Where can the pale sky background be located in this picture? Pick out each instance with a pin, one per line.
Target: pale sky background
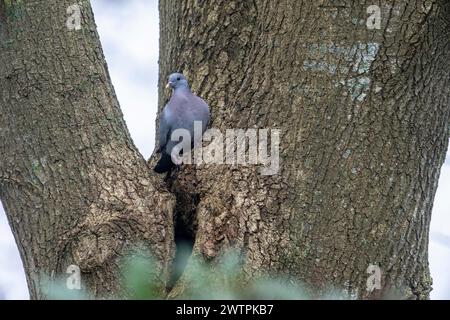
(129, 31)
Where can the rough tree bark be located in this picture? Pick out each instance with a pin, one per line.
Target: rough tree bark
(75, 188)
(364, 120)
(364, 115)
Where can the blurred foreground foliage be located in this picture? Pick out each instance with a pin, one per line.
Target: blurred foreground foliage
(199, 280)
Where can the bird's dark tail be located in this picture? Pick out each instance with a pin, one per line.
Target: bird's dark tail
(164, 164)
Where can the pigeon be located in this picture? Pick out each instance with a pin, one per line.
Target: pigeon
(180, 112)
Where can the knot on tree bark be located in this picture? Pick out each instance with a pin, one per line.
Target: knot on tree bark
(92, 248)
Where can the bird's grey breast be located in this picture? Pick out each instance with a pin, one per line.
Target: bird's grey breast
(184, 108)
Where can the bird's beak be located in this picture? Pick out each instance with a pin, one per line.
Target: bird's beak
(168, 85)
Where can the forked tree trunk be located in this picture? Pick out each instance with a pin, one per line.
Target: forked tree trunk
(364, 120)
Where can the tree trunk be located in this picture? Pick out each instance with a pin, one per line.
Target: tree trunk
(364, 120)
(75, 189)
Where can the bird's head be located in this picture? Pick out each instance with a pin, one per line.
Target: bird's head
(177, 80)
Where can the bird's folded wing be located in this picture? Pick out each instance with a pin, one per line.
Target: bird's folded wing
(164, 131)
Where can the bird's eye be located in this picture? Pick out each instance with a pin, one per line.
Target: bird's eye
(178, 79)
